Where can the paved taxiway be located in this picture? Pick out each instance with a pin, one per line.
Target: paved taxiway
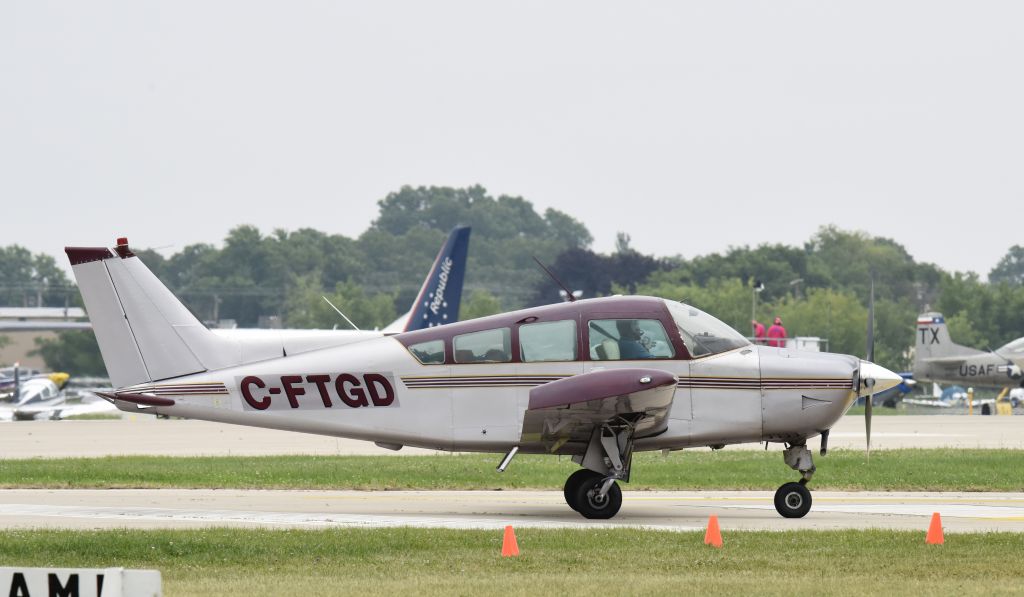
(143, 434)
(669, 510)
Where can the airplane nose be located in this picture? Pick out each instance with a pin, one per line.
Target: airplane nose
(875, 379)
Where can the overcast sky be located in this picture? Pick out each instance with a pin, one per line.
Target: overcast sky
(692, 126)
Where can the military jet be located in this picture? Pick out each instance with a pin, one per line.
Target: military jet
(596, 379)
(937, 358)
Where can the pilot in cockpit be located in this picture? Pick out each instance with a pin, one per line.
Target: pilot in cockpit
(633, 344)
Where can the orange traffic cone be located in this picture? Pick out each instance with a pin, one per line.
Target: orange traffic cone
(509, 546)
(935, 531)
(713, 536)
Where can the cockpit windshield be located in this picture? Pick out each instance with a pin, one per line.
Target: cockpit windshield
(703, 334)
(1015, 347)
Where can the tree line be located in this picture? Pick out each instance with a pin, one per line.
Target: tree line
(818, 289)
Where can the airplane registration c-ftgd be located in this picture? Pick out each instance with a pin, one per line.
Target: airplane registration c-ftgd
(597, 379)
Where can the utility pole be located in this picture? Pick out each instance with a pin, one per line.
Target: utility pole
(216, 308)
(795, 284)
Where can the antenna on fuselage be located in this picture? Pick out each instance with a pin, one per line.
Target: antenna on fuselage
(569, 296)
(328, 301)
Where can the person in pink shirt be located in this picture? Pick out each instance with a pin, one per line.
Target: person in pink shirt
(777, 334)
(758, 331)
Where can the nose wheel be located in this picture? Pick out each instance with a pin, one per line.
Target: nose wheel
(793, 500)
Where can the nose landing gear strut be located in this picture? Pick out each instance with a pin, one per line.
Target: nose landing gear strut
(793, 500)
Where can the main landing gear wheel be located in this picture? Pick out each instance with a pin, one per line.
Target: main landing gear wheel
(793, 500)
(574, 481)
(588, 501)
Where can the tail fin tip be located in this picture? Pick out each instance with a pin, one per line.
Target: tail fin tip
(80, 255)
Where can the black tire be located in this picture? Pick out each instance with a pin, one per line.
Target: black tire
(574, 481)
(590, 507)
(793, 500)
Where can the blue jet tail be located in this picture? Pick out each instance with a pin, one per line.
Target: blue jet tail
(437, 302)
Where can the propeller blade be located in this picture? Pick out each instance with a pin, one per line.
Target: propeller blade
(870, 356)
(867, 423)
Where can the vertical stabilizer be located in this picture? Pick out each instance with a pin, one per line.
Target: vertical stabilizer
(144, 332)
(438, 300)
(933, 339)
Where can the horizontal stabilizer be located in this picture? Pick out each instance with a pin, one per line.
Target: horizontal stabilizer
(140, 399)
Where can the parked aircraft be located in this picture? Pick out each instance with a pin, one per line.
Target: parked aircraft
(937, 358)
(896, 393)
(41, 398)
(597, 379)
(11, 379)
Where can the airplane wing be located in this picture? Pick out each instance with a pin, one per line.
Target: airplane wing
(569, 409)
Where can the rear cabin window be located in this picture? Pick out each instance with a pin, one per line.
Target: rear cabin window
(429, 353)
(488, 346)
(548, 341)
(629, 339)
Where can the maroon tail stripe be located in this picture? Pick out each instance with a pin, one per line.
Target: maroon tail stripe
(138, 399)
(79, 255)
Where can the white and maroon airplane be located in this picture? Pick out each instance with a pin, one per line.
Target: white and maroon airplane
(596, 379)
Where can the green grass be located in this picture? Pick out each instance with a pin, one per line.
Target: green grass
(553, 562)
(894, 470)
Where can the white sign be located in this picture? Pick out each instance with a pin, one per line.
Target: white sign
(79, 582)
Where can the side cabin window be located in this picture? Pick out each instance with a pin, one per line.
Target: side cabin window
(429, 353)
(488, 346)
(629, 339)
(548, 341)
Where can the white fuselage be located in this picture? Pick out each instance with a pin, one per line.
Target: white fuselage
(375, 390)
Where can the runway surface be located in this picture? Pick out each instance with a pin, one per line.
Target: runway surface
(141, 434)
(674, 510)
